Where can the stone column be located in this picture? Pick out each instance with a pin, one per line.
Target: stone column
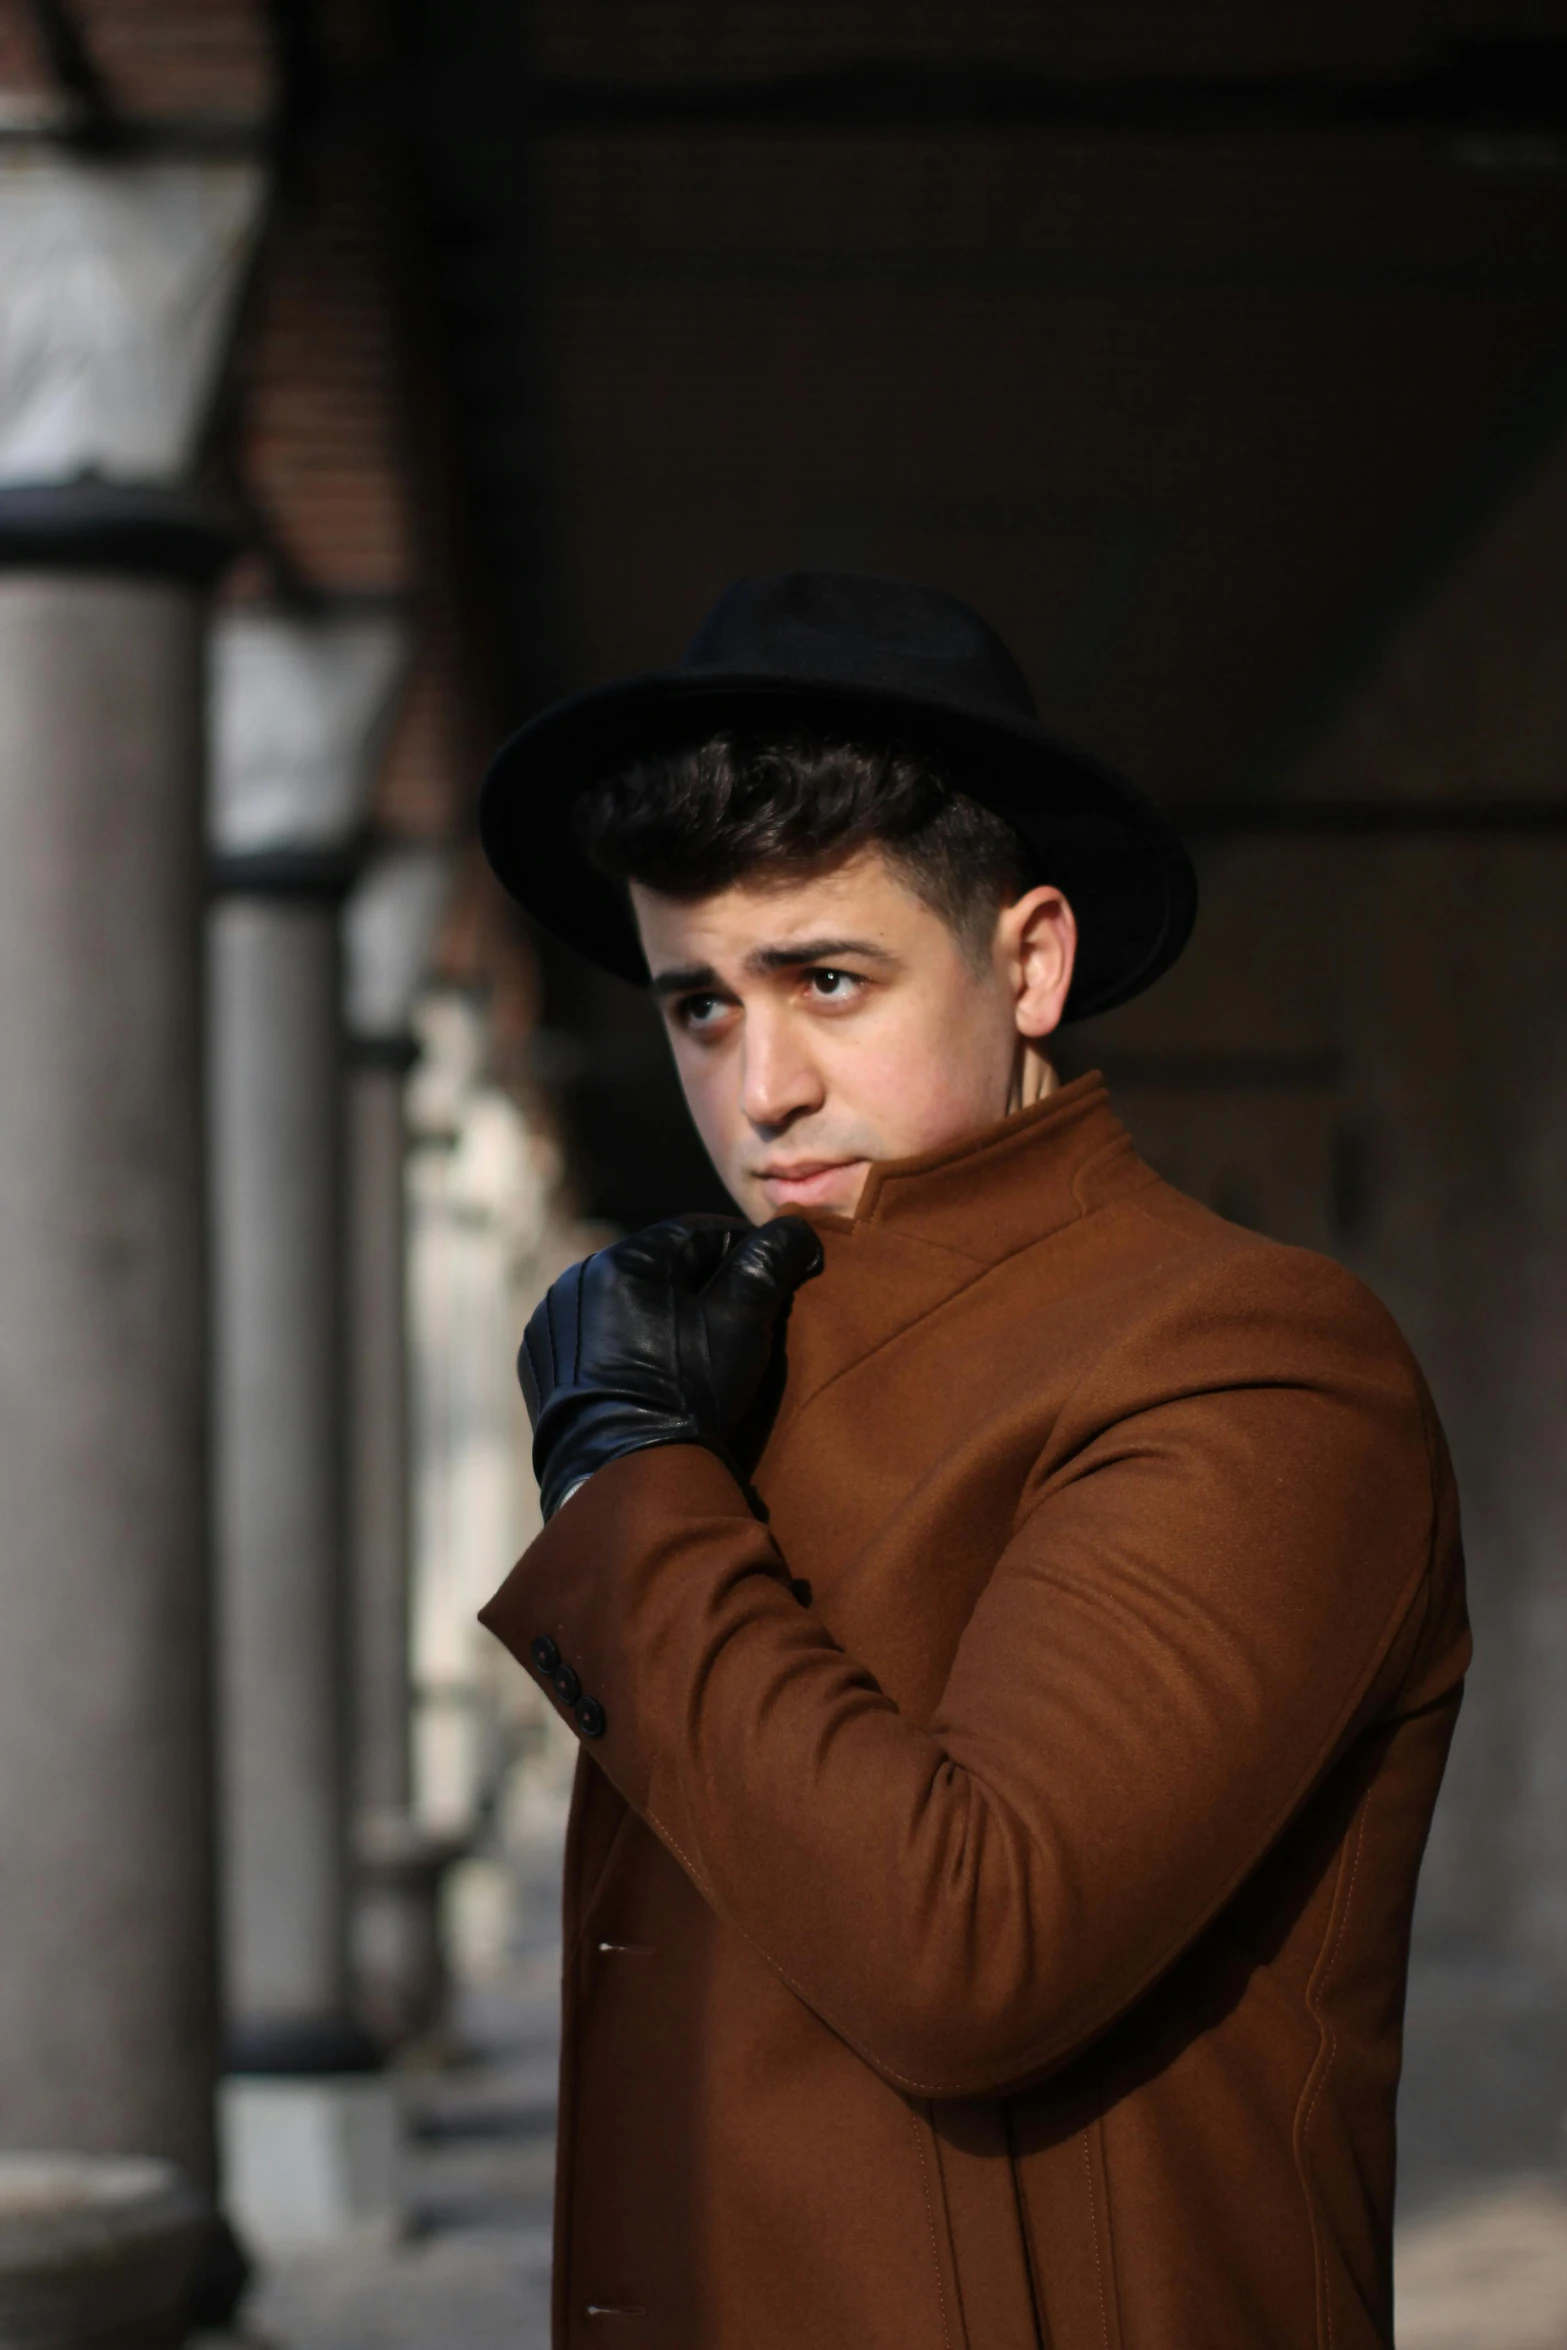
(299, 707)
(277, 1261)
(399, 1967)
(116, 293)
(105, 2000)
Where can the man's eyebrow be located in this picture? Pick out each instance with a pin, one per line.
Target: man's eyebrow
(685, 979)
(795, 954)
(789, 955)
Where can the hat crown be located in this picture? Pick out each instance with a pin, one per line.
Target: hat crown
(855, 629)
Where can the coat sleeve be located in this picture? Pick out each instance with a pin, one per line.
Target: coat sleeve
(1222, 1554)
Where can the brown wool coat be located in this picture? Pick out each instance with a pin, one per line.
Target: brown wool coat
(987, 1902)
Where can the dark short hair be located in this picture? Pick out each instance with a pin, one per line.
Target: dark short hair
(696, 821)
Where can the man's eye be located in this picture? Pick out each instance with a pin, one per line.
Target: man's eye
(833, 986)
(700, 1011)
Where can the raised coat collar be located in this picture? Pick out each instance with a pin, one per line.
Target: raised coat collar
(1015, 1182)
(927, 1227)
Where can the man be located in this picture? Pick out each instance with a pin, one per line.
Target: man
(1014, 1619)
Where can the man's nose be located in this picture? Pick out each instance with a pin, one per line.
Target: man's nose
(779, 1080)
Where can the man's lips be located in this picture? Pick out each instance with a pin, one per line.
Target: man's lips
(811, 1179)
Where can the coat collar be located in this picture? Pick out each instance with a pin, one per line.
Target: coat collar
(1015, 1182)
(926, 1227)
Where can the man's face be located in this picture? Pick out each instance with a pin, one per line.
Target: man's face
(822, 1023)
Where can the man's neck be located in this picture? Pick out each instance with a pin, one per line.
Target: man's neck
(1033, 1077)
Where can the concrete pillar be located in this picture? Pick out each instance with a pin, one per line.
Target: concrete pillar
(116, 287)
(105, 1997)
(277, 1257)
(399, 1965)
(390, 930)
(380, 1425)
(298, 710)
(100, 2251)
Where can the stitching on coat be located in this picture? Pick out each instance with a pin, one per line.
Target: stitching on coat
(703, 1884)
(1327, 2049)
(922, 1240)
(1119, 1146)
(1093, 2230)
(1025, 2231)
(930, 2222)
(589, 1901)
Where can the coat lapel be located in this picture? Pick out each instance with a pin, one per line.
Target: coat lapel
(929, 1226)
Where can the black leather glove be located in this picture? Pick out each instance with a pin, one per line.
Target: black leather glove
(665, 1338)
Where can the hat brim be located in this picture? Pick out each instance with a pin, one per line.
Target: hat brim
(1122, 867)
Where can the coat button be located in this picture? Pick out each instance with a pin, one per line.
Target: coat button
(568, 1685)
(545, 1654)
(590, 1718)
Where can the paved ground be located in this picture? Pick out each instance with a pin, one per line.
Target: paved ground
(1482, 2244)
(473, 2270)
(473, 2273)
(1483, 2207)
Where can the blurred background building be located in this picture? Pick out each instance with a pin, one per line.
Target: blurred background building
(373, 371)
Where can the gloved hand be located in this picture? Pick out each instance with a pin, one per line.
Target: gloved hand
(664, 1338)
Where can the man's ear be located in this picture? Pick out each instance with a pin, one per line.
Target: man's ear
(1036, 944)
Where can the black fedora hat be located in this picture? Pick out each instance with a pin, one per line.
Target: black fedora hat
(860, 659)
